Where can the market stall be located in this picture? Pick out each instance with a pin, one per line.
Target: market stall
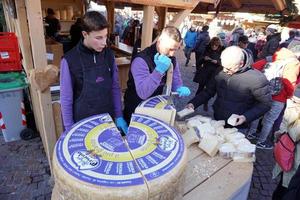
(203, 173)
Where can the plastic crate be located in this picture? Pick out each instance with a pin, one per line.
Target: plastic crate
(10, 59)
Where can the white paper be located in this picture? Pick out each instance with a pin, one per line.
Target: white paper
(50, 56)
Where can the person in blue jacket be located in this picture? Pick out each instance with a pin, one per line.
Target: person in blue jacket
(190, 42)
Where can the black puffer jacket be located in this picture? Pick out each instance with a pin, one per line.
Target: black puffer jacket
(244, 93)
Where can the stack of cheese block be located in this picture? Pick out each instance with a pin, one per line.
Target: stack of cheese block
(213, 138)
(93, 161)
(158, 108)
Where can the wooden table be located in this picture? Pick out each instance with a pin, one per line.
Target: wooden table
(122, 48)
(123, 64)
(215, 178)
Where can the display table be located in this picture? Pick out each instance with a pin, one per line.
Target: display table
(215, 178)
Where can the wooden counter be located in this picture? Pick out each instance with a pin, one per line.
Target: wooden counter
(123, 64)
(122, 48)
(215, 178)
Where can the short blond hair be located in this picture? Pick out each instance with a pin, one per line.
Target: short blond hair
(171, 32)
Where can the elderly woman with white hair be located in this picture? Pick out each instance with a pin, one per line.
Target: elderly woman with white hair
(240, 90)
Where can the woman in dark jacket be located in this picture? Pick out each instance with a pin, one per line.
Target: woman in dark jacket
(211, 63)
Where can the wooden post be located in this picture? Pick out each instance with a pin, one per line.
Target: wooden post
(147, 26)
(23, 35)
(8, 19)
(183, 14)
(162, 14)
(110, 8)
(36, 32)
(279, 4)
(24, 41)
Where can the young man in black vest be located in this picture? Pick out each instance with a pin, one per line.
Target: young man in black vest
(147, 75)
(89, 82)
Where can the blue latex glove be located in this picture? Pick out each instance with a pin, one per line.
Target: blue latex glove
(162, 63)
(121, 124)
(183, 91)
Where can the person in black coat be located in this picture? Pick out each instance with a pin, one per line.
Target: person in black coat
(240, 90)
(210, 63)
(53, 25)
(75, 32)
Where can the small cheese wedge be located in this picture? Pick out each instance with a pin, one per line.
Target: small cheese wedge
(210, 144)
(165, 115)
(217, 124)
(232, 120)
(234, 136)
(193, 122)
(230, 130)
(185, 112)
(220, 130)
(191, 136)
(242, 141)
(207, 128)
(227, 150)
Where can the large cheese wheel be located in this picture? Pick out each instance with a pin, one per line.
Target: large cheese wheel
(160, 153)
(93, 161)
(159, 108)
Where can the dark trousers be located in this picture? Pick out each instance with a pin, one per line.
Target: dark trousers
(187, 53)
(198, 58)
(279, 192)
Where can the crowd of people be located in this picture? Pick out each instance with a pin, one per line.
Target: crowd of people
(254, 84)
(242, 83)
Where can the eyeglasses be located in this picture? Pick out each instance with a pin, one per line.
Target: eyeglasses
(228, 70)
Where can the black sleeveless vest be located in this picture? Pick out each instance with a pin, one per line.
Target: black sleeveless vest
(131, 98)
(91, 75)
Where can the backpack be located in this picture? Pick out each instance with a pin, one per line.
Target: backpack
(273, 72)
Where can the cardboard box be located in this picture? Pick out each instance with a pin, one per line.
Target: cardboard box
(54, 52)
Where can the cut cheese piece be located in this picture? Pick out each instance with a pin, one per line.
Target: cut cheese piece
(203, 119)
(167, 116)
(234, 136)
(206, 128)
(242, 141)
(220, 130)
(246, 150)
(185, 112)
(193, 122)
(210, 144)
(191, 136)
(158, 108)
(230, 130)
(217, 124)
(181, 126)
(233, 119)
(227, 150)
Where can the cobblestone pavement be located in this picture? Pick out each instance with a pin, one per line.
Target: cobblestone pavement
(24, 169)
